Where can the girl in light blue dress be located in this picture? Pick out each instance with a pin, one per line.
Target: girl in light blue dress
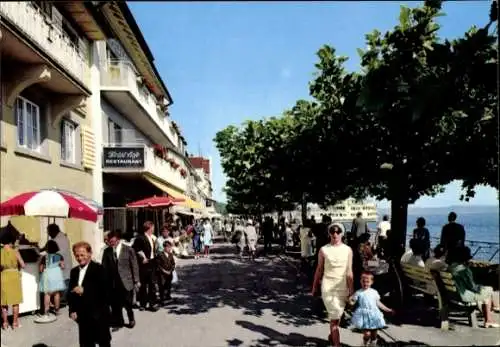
(51, 277)
(367, 315)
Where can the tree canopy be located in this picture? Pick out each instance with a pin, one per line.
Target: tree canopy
(423, 107)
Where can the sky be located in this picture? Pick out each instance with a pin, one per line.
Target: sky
(226, 62)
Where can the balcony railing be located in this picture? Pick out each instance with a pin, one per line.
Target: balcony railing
(122, 75)
(120, 157)
(54, 41)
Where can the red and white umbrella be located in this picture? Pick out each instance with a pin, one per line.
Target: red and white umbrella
(49, 203)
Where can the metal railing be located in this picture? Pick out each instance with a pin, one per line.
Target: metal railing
(39, 28)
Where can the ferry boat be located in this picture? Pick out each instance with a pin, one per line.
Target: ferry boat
(344, 211)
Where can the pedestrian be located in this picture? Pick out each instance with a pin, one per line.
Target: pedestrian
(10, 280)
(64, 249)
(367, 316)
(452, 234)
(51, 279)
(88, 299)
(422, 233)
(122, 274)
(197, 236)
(382, 228)
(166, 268)
(358, 227)
(334, 272)
(103, 248)
(251, 236)
(144, 246)
(208, 234)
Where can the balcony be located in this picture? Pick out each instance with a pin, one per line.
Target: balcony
(46, 34)
(121, 86)
(138, 159)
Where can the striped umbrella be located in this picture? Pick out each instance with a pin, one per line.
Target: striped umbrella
(49, 203)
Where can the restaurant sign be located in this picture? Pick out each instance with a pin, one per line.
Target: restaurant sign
(123, 157)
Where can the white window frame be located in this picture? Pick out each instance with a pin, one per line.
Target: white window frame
(37, 143)
(68, 137)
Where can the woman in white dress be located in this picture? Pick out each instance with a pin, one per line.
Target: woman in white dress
(334, 271)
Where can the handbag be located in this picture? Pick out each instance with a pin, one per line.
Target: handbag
(175, 278)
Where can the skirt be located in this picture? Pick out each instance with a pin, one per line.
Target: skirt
(485, 294)
(334, 297)
(51, 280)
(366, 319)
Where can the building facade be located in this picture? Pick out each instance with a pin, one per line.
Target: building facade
(46, 131)
(83, 108)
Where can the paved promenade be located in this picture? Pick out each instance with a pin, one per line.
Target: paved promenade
(222, 301)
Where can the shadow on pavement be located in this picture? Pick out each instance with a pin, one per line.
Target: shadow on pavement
(251, 286)
(275, 338)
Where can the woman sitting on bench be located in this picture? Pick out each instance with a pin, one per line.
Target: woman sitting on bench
(469, 291)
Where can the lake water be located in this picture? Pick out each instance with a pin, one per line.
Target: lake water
(480, 226)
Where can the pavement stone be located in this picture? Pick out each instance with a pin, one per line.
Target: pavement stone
(222, 301)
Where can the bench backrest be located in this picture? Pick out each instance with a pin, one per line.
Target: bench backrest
(446, 286)
(419, 278)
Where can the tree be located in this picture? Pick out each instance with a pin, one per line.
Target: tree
(432, 100)
(256, 183)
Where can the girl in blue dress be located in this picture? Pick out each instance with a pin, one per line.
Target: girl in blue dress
(367, 315)
(51, 277)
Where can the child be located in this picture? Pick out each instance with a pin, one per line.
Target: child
(367, 315)
(166, 267)
(51, 278)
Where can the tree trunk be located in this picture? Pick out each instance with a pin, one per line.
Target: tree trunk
(399, 214)
(303, 205)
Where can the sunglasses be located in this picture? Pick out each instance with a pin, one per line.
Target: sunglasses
(335, 231)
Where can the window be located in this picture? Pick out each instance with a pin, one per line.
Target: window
(28, 124)
(68, 142)
(114, 133)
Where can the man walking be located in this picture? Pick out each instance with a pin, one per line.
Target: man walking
(122, 272)
(358, 228)
(144, 246)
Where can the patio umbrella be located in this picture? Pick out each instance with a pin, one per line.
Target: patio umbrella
(155, 201)
(49, 203)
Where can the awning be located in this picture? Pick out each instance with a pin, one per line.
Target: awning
(189, 203)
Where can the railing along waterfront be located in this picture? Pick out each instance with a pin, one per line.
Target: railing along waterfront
(53, 40)
(480, 250)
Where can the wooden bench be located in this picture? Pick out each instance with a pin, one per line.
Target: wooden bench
(450, 297)
(419, 279)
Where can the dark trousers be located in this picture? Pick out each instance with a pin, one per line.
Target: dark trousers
(121, 298)
(268, 243)
(165, 286)
(92, 332)
(147, 291)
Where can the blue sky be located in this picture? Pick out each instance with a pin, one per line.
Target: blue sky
(225, 62)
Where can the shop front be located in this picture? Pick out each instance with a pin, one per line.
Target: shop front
(135, 173)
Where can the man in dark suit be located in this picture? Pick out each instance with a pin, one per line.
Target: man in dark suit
(144, 246)
(89, 299)
(122, 272)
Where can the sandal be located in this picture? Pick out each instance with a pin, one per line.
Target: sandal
(16, 325)
(491, 325)
(5, 326)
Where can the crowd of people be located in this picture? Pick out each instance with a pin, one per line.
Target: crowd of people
(137, 271)
(341, 258)
(141, 270)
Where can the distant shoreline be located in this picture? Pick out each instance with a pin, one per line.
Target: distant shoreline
(445, 210)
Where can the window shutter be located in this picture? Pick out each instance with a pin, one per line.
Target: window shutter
(88, 148)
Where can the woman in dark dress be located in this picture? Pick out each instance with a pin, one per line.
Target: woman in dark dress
(422, 233)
